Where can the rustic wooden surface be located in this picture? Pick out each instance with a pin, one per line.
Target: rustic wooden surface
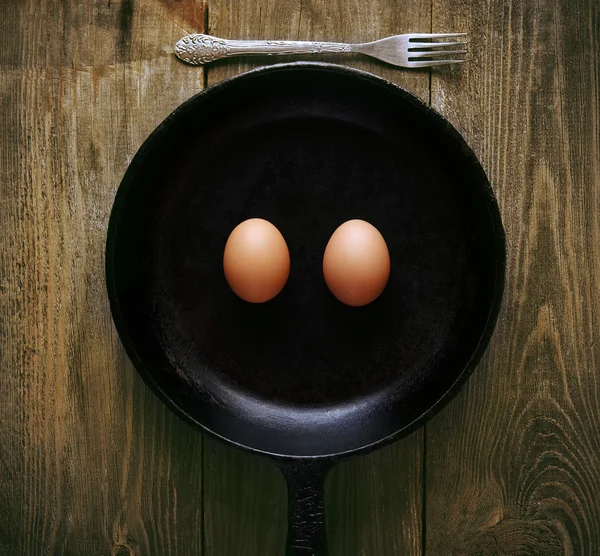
(92, 464)
(512, 464)
(90, 461)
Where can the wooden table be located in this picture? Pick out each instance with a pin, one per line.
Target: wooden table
(91, 463)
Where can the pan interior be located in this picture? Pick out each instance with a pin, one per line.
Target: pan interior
(307, 148)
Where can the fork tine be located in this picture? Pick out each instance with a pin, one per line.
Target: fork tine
(430, 63)
(434, 53)
(419, 45)
(413, 36)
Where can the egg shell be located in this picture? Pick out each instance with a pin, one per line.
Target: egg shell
(256, 260)
(356, 263)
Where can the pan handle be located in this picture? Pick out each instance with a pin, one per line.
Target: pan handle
(306, 513)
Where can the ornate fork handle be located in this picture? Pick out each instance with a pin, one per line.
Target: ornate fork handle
(200, 49)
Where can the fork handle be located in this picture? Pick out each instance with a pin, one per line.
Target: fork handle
(197, 49)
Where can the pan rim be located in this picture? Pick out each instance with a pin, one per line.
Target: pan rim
(495, 221)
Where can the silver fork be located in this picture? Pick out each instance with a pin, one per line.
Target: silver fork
(412, 50)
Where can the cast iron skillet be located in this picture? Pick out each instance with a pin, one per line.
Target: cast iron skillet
(304, 379)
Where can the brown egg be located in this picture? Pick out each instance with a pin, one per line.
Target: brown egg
(356, 263)
(256, 260)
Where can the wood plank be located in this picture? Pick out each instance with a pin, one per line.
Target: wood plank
(244, 503)
(90, 461)
(512, 463)
(373, 503)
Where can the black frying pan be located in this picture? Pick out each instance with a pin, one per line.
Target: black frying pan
(304, 379)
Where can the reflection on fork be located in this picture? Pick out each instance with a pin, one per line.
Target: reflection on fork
(411, 50)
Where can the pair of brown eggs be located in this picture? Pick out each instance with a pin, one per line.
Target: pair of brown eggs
(356, 262)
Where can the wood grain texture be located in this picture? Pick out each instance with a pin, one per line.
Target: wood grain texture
(373, 504)
(90, 461)
(245, 510)
(512, 464)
